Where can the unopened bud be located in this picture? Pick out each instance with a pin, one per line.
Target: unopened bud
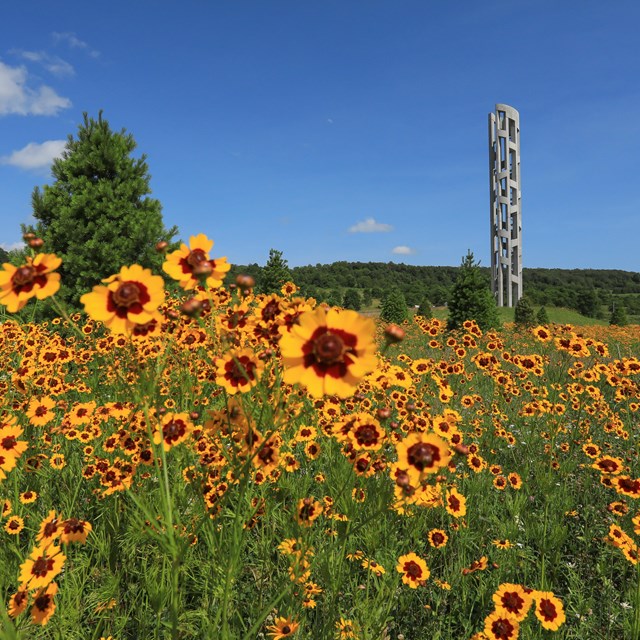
(35, 243)
(172, 314)
(461, 449)
(383, 413)
(162, 246)
(394, 334)
(203, 270)
(28, 236)
(192, 307)
(194, 415)
(245, 282)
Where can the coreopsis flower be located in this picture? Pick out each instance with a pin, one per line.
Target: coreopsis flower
(455, 503)
(190, 265)
(283, 628)
(239, 371)
(41, 567)
(329, 352)
(74, 530)
(18, 603)
(173, 429)
(421, 453)
(50, 529)
(549, 610)
(43, 604)
(414, 570)
(499, 626)
(513, 600)
(14, 525)
(35, 278)
(437, 538)
(40, 411)
(130, 298)
(308, 510)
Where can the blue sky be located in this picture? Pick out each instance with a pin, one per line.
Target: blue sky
(341, 129)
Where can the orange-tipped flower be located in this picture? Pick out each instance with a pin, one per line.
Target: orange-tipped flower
(329, 352)
(33, 279)
(191, 264)
(130, 298)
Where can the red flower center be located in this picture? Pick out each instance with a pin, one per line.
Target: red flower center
(422, 455)
(502, 629)
(42, 566)
(127, 294)
(196, 258)
(413, 570)
(328, 348)
(24, 275)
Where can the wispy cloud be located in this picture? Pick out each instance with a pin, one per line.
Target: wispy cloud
(34, 156)
(370, 226)
(403, 250)
(53, 64)
(18, 98)
(70, 39)
(11, 247)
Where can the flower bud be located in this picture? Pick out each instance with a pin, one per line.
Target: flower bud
(245, 282)
(394, 334)
(192, 307)
(35, 243)
(162, 246)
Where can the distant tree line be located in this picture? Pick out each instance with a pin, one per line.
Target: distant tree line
(592, 292)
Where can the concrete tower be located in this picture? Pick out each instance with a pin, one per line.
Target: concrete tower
(506, 221)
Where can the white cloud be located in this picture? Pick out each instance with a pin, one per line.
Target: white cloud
(403, 250)
(11, 247)
(35, 156)
(16, 97)
(71, 40)
(53, 64)
(370, 226)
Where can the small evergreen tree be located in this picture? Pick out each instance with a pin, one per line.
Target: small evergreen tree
(424, 310)
(96, 216)
(471, 298)
(619, 316)
(275, 273)
(542, 317)
(394, 307)
(524, 314)
(352, 300)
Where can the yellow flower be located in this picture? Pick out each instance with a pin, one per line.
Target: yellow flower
(189, 265)
(329, 352)
(33, 279)
(130, 298)
(239, 371)
(414, 570)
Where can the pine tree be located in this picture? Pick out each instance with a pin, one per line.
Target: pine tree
(352, 300)
(275, 273)
(424, 310)
(619, 316)
(394, 307)
(471, 298)
(542, 317)
(524, 314)
(96, 215)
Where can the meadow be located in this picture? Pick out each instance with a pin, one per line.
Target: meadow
(233, 465)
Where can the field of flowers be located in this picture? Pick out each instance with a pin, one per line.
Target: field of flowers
(231, 465)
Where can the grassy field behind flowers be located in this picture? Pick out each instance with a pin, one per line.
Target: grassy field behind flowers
(235, 465)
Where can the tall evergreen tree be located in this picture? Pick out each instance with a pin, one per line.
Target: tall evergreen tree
(275, 273)
(97, 215)
(542, 317)
(471, 298)
(524, 315)
(619, 316)
(394, 307)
